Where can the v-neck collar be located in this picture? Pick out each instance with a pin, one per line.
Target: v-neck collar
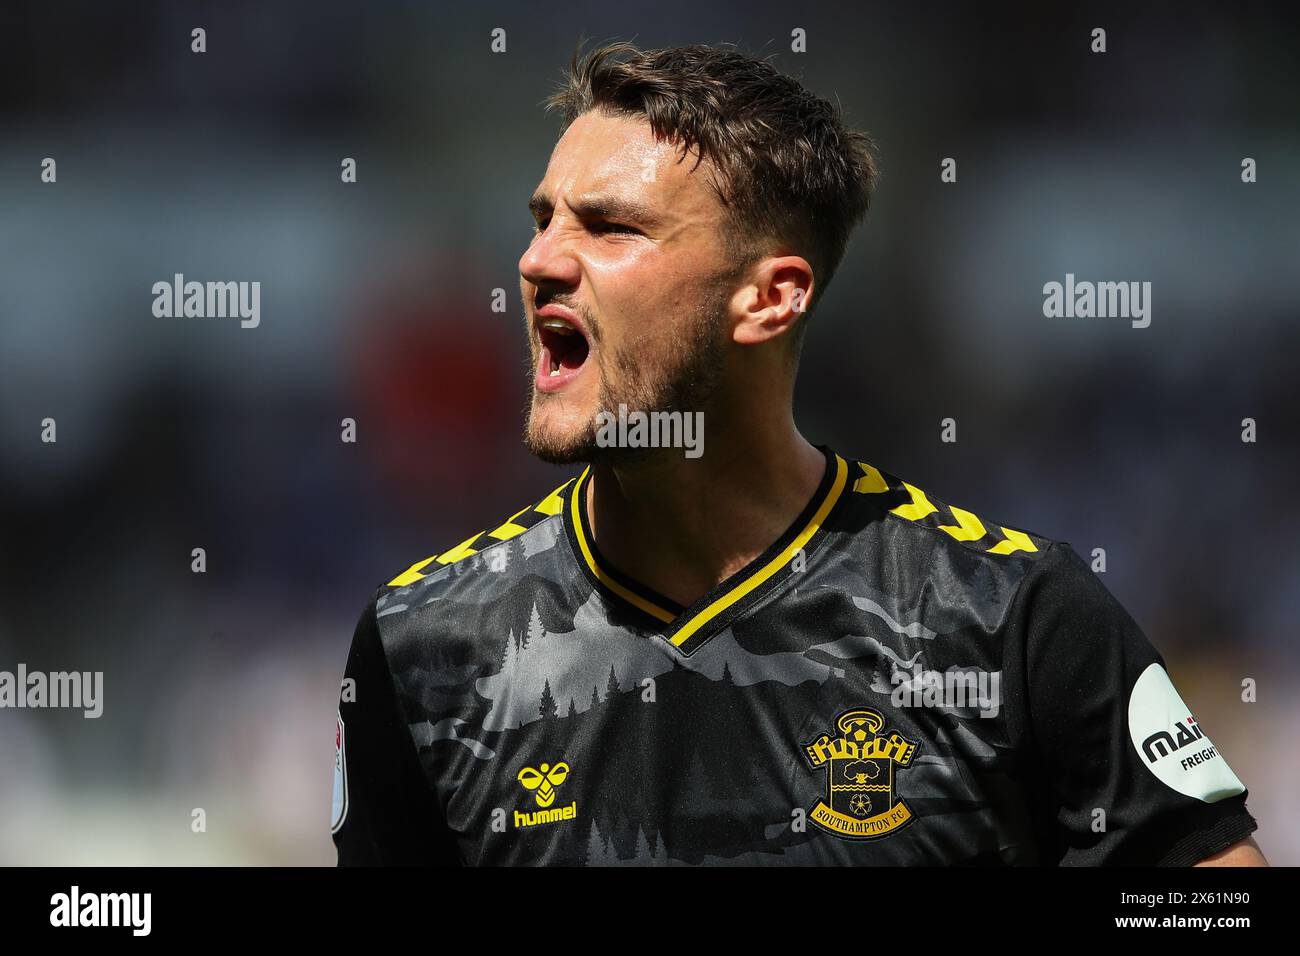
(688, 628)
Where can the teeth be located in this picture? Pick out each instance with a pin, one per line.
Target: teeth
(558, 325)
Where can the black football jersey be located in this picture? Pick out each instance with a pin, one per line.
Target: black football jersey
(895, 681)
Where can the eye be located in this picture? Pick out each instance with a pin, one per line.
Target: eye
(615, 227)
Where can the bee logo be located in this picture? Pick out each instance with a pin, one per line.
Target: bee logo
(544, 780)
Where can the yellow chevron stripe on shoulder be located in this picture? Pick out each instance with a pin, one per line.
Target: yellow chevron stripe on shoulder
(516, 524)
(553, 503)
(410, 574)
(968, 527)
(872, 481)
(965, 526)
(919, 508)
(1016, 541)
(509, 529)
(462, 550)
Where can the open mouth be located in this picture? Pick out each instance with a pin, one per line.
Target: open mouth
(564, 351)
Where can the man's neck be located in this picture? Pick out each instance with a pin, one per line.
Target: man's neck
(681, 525)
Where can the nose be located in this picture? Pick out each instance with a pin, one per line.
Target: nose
(548, 260)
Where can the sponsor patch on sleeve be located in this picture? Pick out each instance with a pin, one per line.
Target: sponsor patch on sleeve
(1171, 744)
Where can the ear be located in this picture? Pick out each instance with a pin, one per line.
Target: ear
(772, 300)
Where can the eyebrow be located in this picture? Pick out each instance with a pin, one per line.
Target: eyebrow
(598, 207)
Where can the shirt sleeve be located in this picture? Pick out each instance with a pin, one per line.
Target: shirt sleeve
(1119, 771)
(384, 810)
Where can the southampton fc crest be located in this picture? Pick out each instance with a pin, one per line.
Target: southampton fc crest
(859, 763)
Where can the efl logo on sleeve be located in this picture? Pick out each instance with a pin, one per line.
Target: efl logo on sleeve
(340, 779)
(1171, 743)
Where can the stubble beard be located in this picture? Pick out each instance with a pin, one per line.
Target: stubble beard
(683, 377)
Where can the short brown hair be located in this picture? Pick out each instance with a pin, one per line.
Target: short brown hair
(790, 171)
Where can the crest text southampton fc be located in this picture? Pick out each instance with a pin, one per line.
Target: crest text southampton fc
(859, 764)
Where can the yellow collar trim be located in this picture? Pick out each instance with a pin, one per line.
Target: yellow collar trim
(654, 610)
(773, 566)
(737, 592)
